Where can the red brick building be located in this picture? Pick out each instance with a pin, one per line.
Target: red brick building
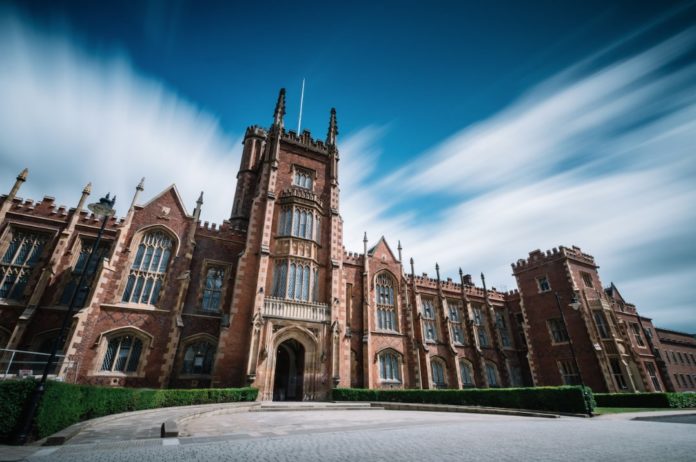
(272, 299)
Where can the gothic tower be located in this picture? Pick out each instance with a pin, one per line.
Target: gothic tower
(287, 194)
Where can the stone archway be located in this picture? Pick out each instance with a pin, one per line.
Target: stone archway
(289, 371)
(292, 352)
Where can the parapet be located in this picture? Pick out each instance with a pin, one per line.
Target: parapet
(537, 257)
(353, 258)
(255, 131)
(305, 140)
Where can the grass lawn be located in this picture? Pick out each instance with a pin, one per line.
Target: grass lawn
(617, 410)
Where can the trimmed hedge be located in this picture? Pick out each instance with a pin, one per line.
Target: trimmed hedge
(666, 400)
(557, 399)
(64, 404)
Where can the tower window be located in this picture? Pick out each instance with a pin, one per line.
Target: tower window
(303, 178)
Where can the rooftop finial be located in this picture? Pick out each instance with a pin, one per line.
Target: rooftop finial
(141, 185)
(23, 175)
(199, 202)
(461, 273)
(88, 189)
(279, 112)
(483, 281)
(365, 237)
(437, 271)
(333, 129)
(399, 249)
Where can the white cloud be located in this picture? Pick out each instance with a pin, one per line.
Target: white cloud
(73, 118)
(604, 161)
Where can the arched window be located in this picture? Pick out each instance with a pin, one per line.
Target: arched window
(298, 282)
(455, 319)
(386, 309)
(198, 358)
(71, 286)
(148, 269)
(437, 368)
(122, 354)
(467, 373)
(492, 375)
(18, 261)
(389, 370)
(303, 178)
(428, 316)
(212, 293)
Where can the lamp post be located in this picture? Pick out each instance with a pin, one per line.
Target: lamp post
(104, 208)
(574, 304)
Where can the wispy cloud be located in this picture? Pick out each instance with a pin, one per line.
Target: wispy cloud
(603, 159)
(600, 155)
(72, 116)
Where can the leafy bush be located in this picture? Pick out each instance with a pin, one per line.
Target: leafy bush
(558, 399)
(666, 400)
(64, 404)
(13, 395)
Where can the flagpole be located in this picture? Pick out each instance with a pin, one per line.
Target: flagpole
(299, 121)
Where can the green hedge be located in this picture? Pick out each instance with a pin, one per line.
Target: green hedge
(557, 399)
(666, 400)
(65, 404)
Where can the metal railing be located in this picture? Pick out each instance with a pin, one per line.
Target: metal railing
(20, 363)
(290, 309)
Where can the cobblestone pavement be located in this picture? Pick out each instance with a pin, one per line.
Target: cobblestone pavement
(378, 435)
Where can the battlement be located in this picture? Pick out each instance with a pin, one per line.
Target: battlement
(454, 289)
(47, 209)
(255, 131)
(226, 229)
(352, 258)
(305, 141)
(537, 257)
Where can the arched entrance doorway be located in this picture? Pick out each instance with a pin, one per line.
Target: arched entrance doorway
(289, 371)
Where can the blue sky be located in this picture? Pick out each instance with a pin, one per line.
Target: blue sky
(474, 132)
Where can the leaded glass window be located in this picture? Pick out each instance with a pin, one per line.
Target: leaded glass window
(455, 320)
(501, 325)
(386, 309)
(198, 358)
(212, 292)
(467, 373)
(389, 370)
(437, 368)
(149, 268)
(85, 250)
(298, 283)
(18, 262)
(122, 354)
(492, 375)
(303, 178)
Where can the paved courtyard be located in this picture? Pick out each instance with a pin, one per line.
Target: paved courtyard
(380, 435)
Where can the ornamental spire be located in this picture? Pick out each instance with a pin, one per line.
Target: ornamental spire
(333, 129)
(279, 112)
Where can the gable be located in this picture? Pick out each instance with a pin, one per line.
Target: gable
(382, 249)
(168, 203)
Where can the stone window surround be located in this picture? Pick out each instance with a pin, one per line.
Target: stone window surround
(400, 365)
(185, 343)
(132, 251)
(207, 264)
(14, 226)
(74, 252)
(102, 342)
(394, 308)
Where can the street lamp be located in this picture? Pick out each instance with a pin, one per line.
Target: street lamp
(103, 208)
(575, 305)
